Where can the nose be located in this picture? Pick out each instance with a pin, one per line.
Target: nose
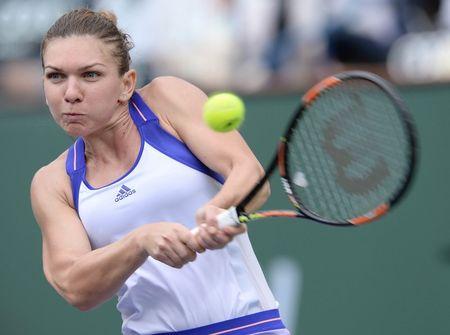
(73, 93)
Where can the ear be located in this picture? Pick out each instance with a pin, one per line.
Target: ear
(128, 86)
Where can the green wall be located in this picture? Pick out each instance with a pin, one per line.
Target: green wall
(390, 277)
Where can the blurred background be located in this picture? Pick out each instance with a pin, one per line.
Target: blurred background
(392, 277)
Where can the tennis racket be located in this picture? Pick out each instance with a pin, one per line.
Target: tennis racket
(347, 155)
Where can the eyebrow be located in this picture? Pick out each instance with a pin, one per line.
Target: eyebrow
(83, 68)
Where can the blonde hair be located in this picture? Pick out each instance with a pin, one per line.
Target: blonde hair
(102, 24)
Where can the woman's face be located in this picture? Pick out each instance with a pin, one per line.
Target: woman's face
(82, 85)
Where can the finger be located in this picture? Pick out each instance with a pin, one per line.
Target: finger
(235, 229)
(169, 248)
(163, 258)
(194, 244)
(219, 236)
(213, 238)
(183, 252)
(163, 253)
(200, 216)
(211, 218)
(205, 239)
(189, 238)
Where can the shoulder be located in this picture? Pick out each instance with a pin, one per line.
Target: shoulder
(172, 92)
(52, 180)
(168, 87)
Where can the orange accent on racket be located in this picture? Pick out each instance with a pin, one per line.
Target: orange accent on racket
(280, 213)
(316, 89)
(282, 159)
(372, 215)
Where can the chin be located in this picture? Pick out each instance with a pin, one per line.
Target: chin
(75, 130)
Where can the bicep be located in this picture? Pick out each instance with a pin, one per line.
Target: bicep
(63, 236)
(219, 151)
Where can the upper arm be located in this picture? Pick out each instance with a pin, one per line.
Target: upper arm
(63, 236)
(181, 106)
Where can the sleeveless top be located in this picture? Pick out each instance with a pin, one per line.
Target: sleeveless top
(167, 183)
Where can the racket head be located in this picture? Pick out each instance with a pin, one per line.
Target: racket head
(349, 153)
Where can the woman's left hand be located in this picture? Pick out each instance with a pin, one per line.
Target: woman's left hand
(209, 235)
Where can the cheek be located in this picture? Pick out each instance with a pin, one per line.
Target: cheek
(51, 91)
(105, 96)
(102, 107)
(51, 99)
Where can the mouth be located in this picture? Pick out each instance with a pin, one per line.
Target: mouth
(72, 114)
(72, 118)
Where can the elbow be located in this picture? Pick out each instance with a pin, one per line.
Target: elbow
(76, 295)
(80, 301)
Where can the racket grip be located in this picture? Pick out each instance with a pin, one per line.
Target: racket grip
(224, 219)
(228, 218)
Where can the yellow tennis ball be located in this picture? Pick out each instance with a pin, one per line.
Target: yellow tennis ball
(224, 112)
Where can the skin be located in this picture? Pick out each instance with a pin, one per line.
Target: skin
(88, 97)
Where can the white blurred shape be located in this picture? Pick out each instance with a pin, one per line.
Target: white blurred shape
(300, 179)
(286, 280)
(420, 58)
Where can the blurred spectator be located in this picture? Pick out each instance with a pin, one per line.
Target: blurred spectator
(419, 15)
(244, 45)
(283, 45)
(20, 82)
(222, 44)
(191, 39)
(421, 55)
(22, 25)
(443, 17)
(363, 31)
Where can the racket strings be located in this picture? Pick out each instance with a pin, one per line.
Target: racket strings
(320, 171)
(351, 149)
(314, 165)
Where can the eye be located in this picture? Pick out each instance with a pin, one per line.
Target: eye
(54, 76)
(91, 75)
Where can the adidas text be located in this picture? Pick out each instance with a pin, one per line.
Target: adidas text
(124, 195)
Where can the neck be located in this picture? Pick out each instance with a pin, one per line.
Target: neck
(119, 142)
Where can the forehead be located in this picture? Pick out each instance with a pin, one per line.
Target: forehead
(77, 51)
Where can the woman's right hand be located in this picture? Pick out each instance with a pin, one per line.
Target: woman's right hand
(170, 243)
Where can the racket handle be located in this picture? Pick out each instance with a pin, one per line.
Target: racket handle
(228, 218)
(224, 219)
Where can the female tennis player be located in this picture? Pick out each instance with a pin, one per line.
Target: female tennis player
(117, 208)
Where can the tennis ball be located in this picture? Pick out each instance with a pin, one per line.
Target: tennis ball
(224, 112)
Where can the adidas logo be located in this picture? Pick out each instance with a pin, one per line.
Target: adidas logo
(124, 192)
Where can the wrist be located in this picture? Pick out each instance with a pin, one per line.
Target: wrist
(138, 240)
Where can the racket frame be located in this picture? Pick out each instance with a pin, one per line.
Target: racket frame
(281, 157)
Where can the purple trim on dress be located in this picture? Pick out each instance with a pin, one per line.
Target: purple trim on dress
(245, 325)
(152, 133)
(75, 168)
(165, 142)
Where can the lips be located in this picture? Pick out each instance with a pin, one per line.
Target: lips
(72, 117)
(72, 114)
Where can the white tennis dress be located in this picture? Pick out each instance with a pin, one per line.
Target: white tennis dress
(222, 291)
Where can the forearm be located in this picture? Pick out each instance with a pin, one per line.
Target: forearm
(98, 275)
(240, 181)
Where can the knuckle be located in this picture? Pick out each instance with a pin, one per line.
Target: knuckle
(161, 246)
(193, 257)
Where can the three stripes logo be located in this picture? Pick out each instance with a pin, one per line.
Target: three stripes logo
(124, 192)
